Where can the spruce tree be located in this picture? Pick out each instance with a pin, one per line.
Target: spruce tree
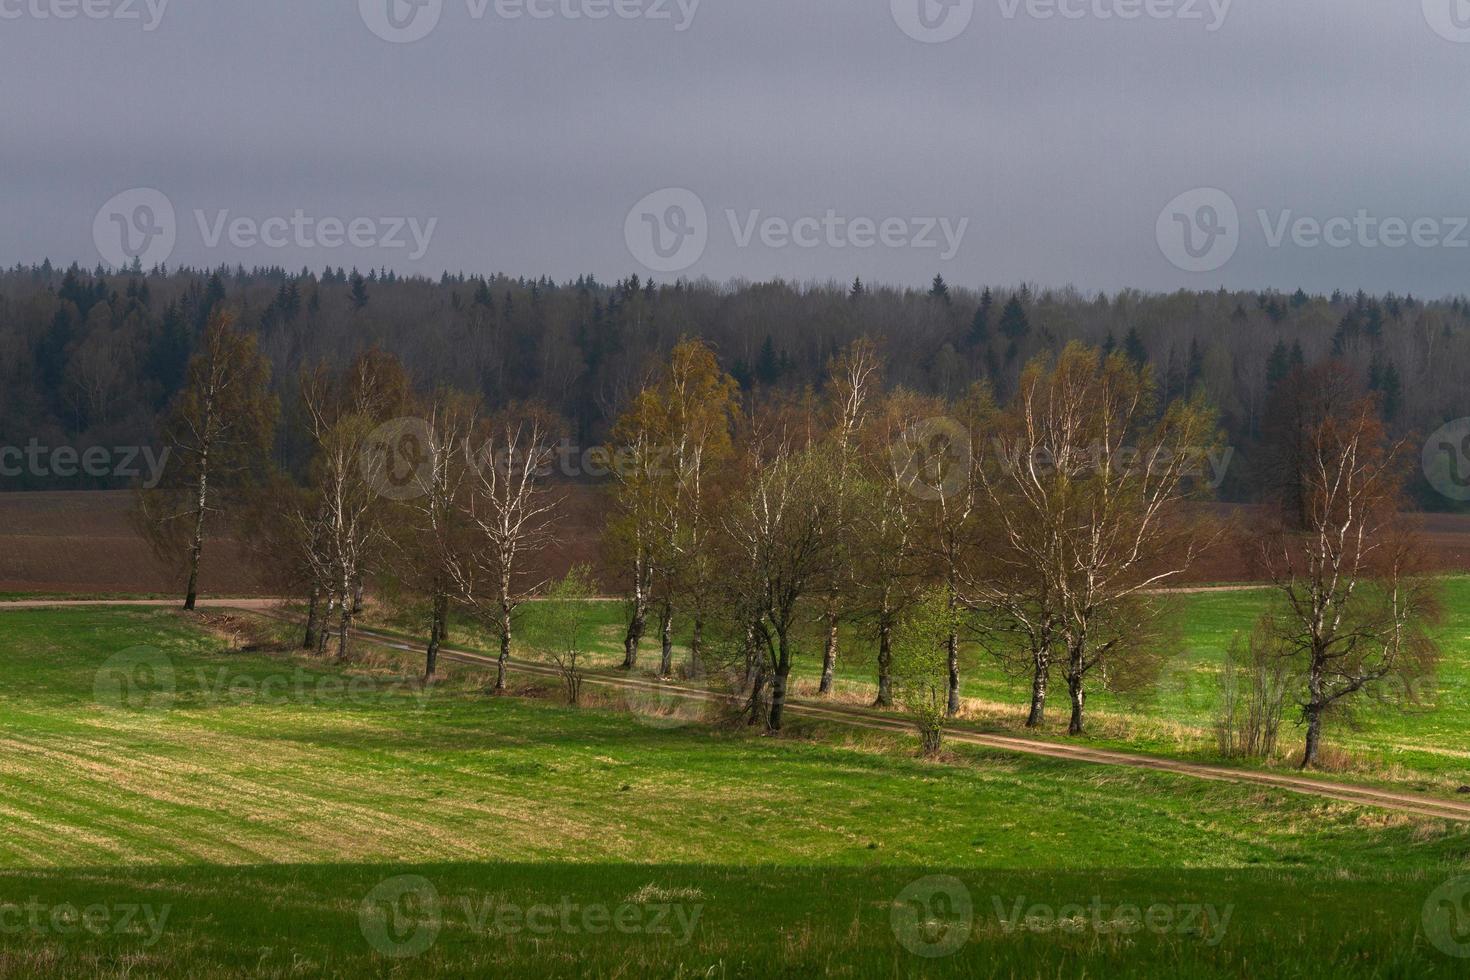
(1013, 321)
(1133, 347)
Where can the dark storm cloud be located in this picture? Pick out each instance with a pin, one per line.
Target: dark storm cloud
(820, 138)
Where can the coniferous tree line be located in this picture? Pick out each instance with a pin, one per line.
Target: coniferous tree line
(95, 358)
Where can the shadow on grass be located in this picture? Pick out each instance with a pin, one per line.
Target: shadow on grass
(652, 919)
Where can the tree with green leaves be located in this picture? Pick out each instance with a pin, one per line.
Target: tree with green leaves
(564, 615)
(921, 667)
(700, 402)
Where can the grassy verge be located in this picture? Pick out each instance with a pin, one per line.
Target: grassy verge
(1420, 741)
(273, 802)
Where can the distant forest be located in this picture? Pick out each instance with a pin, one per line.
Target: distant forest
(92, 357)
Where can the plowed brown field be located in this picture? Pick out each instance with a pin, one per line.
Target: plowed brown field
(79, 542)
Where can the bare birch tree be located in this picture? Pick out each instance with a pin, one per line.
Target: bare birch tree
(510, 511)
(854, 377)
(219, 432)
(700, 401)
(886, 569)
(1355, 604)
(1090, 494)
(632, 537)
(352, 475)
(430, 532)
(943, 455)
(785, 523)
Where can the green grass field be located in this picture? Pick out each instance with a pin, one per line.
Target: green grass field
(227, 813)
(1420, 742)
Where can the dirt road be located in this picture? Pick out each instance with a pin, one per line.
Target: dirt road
(251, 605)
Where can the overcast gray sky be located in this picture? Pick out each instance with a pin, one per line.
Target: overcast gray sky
(1044, 141)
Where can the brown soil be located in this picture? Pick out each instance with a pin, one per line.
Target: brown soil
(81, 543)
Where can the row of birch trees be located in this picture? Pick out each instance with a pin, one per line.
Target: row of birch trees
(1047, 530)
